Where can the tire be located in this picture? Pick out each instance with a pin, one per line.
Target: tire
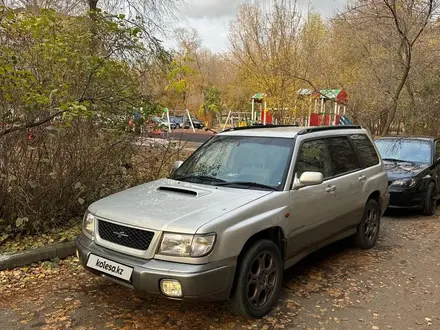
(257, 280)
(430, 203)
(368, 230)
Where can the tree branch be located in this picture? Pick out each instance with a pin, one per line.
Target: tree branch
(31, 124)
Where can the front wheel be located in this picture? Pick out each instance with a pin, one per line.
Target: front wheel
(258, 280)
(368, 229)
(430, 203)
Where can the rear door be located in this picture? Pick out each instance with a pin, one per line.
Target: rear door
(312, 208)
(347, 172)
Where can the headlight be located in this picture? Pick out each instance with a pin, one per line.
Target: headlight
(406, 183)
(181, 245)
(88, 225)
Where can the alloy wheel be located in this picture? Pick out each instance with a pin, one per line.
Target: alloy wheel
(371, 224)
(262, 279)
(433, 203)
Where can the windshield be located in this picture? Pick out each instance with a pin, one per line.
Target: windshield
(242, 162)
(405, 150)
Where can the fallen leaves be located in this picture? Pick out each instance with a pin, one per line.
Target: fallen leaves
(20, 278)
(327, 291)
(56, 235)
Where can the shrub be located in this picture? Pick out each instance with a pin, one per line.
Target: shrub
(53, 177)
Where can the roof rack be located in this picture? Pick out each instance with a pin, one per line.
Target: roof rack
(256, 127)
(326, 128)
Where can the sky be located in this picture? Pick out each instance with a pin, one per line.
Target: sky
(211, 18)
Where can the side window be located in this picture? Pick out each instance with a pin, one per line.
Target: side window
(343, 157)
(313, 156)
(366, 150)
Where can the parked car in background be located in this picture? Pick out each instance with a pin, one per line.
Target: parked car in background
(178, 120)
(197, 123)
(413, 169)
(163, 123)
(245, 206)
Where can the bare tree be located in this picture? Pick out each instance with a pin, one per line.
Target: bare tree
(264, 46)
(396, 26)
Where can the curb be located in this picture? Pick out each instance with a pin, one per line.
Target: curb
(24, 258)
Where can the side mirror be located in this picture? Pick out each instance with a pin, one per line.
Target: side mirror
(308, 179)
(176, 165)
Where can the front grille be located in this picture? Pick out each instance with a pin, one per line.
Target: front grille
(125, 236)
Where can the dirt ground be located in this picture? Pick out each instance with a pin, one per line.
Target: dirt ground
(393, 286)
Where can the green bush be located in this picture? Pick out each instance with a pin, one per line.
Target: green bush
(71, 81)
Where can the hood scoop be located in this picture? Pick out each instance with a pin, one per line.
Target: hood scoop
(178, 190)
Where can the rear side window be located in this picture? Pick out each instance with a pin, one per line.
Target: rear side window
(366, 150)
(343, 157)
(314, 157)
(437, 150)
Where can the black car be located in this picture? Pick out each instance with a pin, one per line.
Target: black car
(197, 123)
(413, 168)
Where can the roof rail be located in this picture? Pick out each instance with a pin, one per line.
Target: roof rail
(256, 127)
(326, 128)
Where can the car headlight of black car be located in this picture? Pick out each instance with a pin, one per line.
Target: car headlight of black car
(404, 183)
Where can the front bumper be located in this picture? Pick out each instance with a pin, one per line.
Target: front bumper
(406, 199)
(212, 281)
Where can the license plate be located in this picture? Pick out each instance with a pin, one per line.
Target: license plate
(109, 267)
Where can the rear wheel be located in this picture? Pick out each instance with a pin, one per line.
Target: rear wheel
(430, 203)
(258, 280)
(368, 229)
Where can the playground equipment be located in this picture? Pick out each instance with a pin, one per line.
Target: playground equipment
(325, 107)
(186, 115)
(237, 118)
(257, 116)
(329, 106)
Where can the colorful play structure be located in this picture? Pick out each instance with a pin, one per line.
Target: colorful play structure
(323, 107)
(329, 106)
(261, 116)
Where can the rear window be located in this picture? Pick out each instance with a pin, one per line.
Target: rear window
(366, 149)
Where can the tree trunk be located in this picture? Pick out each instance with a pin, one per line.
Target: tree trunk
(412, 106)
(393, 109)
(93, 5)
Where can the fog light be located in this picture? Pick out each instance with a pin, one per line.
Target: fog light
(171, 288)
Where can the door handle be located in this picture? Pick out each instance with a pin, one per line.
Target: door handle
(330, 189)
(362, 178)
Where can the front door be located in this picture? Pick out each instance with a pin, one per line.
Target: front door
(313, 207)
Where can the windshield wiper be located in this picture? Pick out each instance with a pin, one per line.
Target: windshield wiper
(248, 184)
(394, 160)
(203, 178)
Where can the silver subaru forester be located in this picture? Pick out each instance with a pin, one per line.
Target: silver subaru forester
(245, 206)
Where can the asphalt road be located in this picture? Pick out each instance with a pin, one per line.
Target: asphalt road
(393, 286)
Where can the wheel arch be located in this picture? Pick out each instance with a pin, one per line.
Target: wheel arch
(274, 234)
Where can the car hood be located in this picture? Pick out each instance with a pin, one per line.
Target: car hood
(400, 170)
(170, 205)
